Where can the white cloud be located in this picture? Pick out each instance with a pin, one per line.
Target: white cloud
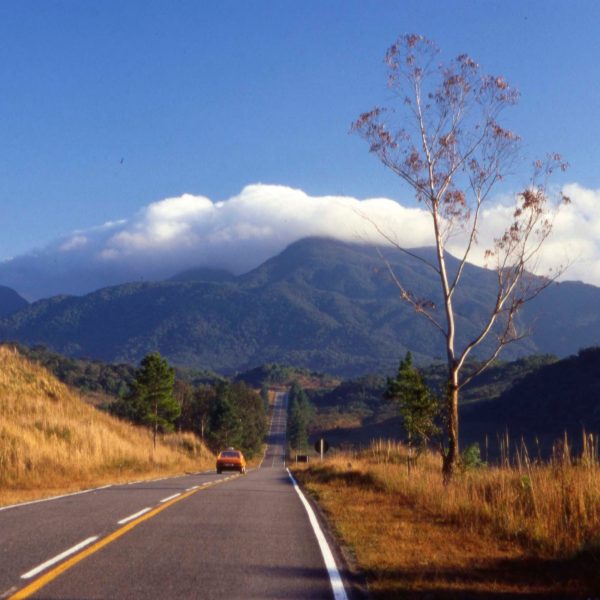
(573, 246)
(76, 241)
(575, 239)
(240, 233)
(249, 227)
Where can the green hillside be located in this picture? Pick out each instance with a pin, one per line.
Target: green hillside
(321, 305)
(558, 398)
(537, 399)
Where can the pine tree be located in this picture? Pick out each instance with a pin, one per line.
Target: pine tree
(152, 401)
(299, 417)
(225, 422)
(417, 405)
(251, 410)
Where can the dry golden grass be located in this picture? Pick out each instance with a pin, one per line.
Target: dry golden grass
(51, 441)
(333, 419)
(533, 531)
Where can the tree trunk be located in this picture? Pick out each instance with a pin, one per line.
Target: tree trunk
(452, 455)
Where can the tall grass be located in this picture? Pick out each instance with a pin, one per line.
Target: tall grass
(522, 529)
(550, 509)
(51, 440)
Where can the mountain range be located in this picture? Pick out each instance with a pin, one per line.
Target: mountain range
(320, 304)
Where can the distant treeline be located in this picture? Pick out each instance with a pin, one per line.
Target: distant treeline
(96, 376)
(274, 374)
(86, 375)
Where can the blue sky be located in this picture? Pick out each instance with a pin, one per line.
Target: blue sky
(106, 107)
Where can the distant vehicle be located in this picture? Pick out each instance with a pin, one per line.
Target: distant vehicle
(231, 459)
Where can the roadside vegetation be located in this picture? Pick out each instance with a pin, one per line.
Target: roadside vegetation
(528, 524)
(51, 441)
(300, 412)
(524, 527)
(219, 411)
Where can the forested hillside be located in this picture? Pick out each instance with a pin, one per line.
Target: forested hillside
(561, 397)
(86, 375)
(101, 377)
(538, 398)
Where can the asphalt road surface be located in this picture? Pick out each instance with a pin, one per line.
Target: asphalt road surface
(199, 536)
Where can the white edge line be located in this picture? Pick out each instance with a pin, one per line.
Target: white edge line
(170, 497)
(132, 517)
(54, 497)
(337, 586)
(58, 558)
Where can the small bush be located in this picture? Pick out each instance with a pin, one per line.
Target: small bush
(471, 458)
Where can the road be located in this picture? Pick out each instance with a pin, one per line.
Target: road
(198, 536)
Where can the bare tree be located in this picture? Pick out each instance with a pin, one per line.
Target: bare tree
(443, 138)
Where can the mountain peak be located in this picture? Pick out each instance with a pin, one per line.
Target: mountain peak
(10, 301)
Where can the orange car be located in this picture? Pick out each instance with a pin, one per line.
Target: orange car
(231, 459)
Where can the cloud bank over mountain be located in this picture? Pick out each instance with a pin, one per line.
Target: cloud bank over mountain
(240, 233)
(191, 231)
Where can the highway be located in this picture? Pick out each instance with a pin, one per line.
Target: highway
(198, 536)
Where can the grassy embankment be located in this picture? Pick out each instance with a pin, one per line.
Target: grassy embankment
(52, 442)
(518, 530)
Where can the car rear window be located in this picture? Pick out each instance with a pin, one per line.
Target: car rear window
(230, 454)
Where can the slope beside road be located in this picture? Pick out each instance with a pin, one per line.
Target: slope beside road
(200, 536)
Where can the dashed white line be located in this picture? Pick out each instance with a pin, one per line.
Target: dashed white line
(9, 592)
(337, 586)
(132, 517)
(170, 498)
(58, 558)
(194, 487)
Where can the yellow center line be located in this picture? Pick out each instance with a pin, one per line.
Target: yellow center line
(45, 579)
